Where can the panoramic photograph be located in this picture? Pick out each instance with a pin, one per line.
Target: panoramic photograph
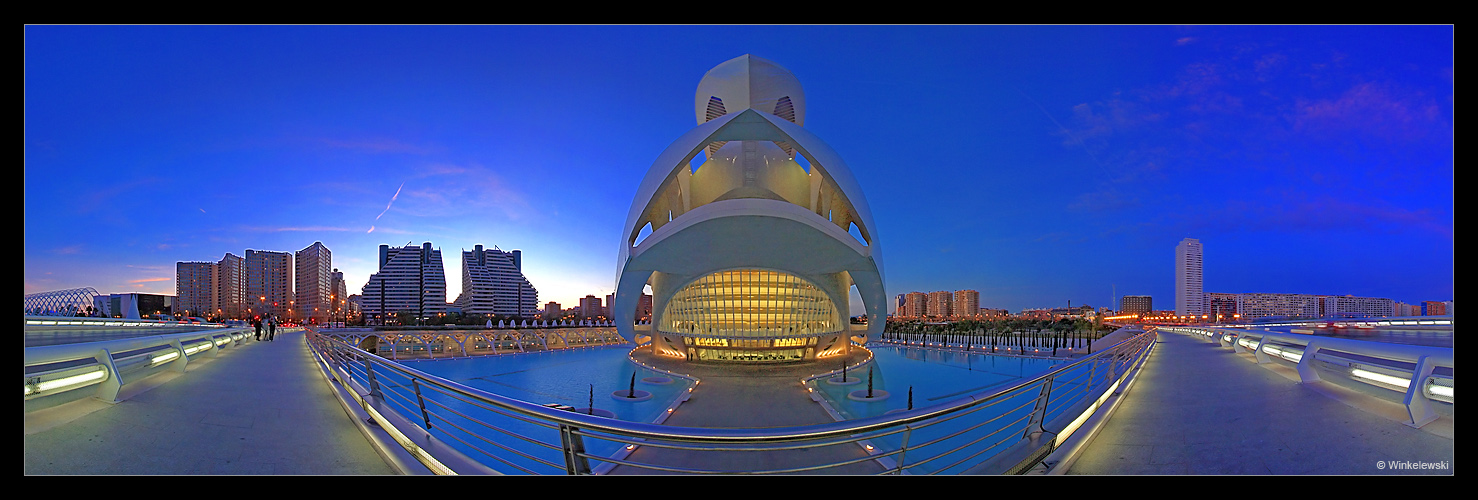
(722, 250)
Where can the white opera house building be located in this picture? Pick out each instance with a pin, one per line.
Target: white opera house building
(751, 256)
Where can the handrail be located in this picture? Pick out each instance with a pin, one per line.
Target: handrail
(100, 366)
(1419, 383)
(34, 321)
(372, 377)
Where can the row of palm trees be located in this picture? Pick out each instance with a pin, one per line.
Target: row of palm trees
(1013, 333)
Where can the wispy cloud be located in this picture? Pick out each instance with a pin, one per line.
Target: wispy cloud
(392, 201)
(1372, 110)
(1303, 212)
(451, 189)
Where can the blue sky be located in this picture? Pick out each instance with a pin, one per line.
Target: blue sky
(1036, 164)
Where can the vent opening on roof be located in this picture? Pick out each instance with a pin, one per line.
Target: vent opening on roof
(784, 109)
(713, 148)
(785, 146)
(715, 108)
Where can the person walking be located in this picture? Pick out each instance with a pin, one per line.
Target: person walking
(272, 329)
(258, 323)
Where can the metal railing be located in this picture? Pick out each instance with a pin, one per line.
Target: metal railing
(455, 429)
(1399, 367)
(110, 364)
(432, 344)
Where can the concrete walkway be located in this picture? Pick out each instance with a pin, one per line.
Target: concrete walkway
(757, 396)
(1199, 408)
(260, 408)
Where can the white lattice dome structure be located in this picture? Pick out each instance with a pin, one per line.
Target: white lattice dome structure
(752, 255)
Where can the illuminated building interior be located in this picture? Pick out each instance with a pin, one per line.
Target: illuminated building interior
(750, 315)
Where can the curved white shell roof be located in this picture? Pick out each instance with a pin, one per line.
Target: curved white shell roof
(795, 234)
(749, 82)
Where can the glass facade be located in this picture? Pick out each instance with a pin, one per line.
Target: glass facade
(750, 315)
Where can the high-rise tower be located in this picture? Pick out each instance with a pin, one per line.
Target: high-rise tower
(313, 282)
(493, 283)
(269, 285)
(1189, 299)
(410, 285)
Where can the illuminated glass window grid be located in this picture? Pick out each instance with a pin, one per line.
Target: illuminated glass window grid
(754, 304)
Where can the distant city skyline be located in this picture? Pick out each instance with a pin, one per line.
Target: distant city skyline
(1069, 159)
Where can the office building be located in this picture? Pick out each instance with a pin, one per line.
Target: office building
(1189, 299)
(966, 303)
(194, 288)
(493, 283)
(916, 305)
(135, 305)
(313, 283)
(1132, 304)
(338, 295)
(939, 304)
(409, 287)
(229, 278)
(590, 307)
(269, 290)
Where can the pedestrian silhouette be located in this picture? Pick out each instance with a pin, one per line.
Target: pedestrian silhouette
(272, 330)
(257, 323)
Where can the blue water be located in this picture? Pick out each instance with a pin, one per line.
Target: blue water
(935, 376)
(938, 377)
(565, 377)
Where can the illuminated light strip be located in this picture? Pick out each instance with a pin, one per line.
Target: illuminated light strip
(1380, 377)
(1078, 422)
(197, 348)
(1282, 353)
(405, 442)
(168, 356)
(1440, 390)
(85, 378)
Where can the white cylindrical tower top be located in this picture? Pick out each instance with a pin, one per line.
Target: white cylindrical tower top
(749, 82)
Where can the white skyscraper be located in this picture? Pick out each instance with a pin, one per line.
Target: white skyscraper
(410, 283)
(1189, 299)
(493, 283)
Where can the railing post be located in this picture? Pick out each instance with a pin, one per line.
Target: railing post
(903, 450)
(422, 403)
(1039, 414)
(108, 389)
(574, 447)
(1418, 407)
(369, 371)
(1262, 357)
(1306, 373)
(180, 362)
